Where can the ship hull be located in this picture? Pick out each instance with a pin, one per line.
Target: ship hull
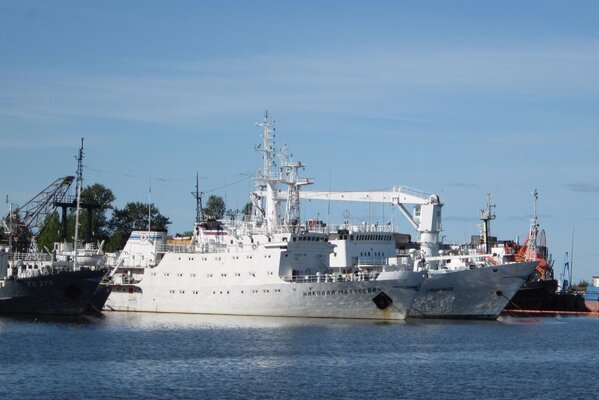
(98, 299)
(470, 294)
(592, 305)
(353, 299)
(65, 293)
(542, 295)
(591, 298)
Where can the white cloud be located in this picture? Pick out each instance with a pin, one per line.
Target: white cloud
(584, 187)
(180, 93)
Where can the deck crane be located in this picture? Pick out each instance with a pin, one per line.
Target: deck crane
(34, 214)
(425, 218)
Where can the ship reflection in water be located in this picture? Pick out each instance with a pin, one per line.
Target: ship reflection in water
(156, 356)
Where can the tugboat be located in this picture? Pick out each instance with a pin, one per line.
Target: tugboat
(46, 284)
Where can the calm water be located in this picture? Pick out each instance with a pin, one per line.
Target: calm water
(133, 356)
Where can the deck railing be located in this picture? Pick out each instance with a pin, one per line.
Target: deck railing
(333, 277)
(42, 257)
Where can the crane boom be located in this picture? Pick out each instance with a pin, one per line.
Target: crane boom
(397, 196)
(34, 213)
(426, 216)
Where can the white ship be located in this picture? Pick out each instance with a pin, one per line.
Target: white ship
(471, 286)
(269, 265)
(475, 283)
(481, 291)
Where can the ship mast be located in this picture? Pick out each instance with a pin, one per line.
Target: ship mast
(198, 196)
(486, 215)
(532, 234)
(290, 178)
(8, 227)
(267, 180)
(78, 209)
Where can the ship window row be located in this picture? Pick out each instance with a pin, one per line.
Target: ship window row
(211, 275)
(310, 238)
(236, 274)
(220, 258)
(255, 291)
(367, 237)
(374, 254)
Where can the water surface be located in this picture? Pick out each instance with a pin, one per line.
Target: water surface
(162, 356)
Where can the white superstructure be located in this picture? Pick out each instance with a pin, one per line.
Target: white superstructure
(269, 265)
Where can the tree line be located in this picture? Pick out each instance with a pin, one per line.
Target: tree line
(109, 224)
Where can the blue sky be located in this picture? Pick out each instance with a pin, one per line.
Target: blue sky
(458, 98)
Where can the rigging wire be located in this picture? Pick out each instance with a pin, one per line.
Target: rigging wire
(245, 176)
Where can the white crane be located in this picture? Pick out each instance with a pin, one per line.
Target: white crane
(426, 216)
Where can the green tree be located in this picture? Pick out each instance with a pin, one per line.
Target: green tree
(103, 197)
(247, 211)
(580, 286)
(50, 233)
(134, 216)
(21, 234)
(185, 234)
(215, 207)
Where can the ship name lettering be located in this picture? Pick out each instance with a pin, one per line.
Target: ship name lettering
(43, 283)
(441, 289)
(341, 291)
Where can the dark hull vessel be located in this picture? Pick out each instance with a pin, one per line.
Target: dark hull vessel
(542, 295)
(62, 293)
